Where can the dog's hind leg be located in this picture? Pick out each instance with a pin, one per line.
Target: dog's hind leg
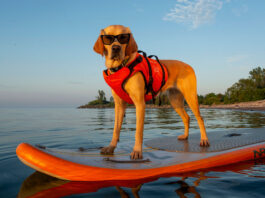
(177, 101)
(188, 88)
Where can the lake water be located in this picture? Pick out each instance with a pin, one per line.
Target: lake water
(90, 128)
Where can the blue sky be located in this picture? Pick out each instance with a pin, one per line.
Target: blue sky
(46, 46)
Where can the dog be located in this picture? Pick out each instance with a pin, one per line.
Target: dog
(119, 50)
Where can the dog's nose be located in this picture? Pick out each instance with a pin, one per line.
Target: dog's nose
(116, 48)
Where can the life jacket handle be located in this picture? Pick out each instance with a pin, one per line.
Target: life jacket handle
(150, 83)
(162, 68)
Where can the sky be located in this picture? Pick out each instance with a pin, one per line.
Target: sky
(46, 46)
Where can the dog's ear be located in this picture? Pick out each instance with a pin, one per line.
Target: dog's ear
(99, 47)
(131, 47)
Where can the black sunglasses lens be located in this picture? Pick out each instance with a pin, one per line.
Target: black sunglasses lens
(107, 39)
(123, 38)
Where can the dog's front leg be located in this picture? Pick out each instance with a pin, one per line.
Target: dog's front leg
(140, 113)
(135, 87)
(120, 107)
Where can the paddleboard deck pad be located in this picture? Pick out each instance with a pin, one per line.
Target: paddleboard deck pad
(162, 157)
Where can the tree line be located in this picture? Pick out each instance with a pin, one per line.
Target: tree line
(101, 99)
(246, 89)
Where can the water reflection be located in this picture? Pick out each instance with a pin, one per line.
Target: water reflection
(233, 119)
(93, 128)
(185, 189)
(41, 185)
(167, 121)
(101, 116)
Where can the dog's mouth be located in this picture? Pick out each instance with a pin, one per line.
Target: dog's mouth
(115, 57)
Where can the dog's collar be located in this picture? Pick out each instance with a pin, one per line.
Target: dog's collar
(124, 62)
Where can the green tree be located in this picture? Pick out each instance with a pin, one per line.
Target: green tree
(101, 97)
(200, 99)
(250, 89)
(258, 77)
(210, 99)
(111, 101)
(162, 99)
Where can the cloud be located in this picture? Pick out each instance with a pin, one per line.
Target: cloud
(75, 83)
(194, 12)
(4, 86)
(243, 9)
(236, 58)
(138, 8)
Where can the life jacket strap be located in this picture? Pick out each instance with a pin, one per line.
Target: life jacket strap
(163, 70)
(115, 69)
(150, 83)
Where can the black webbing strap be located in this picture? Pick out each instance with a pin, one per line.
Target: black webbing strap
(162, 68)
(150, 83)
(127, 161)
(131, 66)
(134, 63)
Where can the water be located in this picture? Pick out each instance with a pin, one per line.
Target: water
(74, 128)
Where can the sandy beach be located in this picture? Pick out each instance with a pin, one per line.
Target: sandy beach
(252, 106)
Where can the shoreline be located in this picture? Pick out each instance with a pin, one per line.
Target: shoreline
(258, 105)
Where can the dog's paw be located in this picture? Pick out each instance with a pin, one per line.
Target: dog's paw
(109, 150)
(136, 155)
(183, 137)
(204, 143)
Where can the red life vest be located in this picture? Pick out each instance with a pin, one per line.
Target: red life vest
(158, 73)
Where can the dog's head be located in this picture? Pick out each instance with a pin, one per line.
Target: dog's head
(116, 43)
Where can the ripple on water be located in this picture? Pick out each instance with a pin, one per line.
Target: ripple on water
(89, 128)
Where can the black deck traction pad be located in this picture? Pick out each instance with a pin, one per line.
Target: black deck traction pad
(219, 141)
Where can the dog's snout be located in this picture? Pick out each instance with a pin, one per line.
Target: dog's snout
(116, 48)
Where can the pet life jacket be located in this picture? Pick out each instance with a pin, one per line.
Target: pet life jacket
(155, 76)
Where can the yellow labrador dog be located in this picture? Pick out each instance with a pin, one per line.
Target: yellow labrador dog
(114, 44)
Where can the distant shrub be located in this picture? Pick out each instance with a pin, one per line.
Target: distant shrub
(249, 89)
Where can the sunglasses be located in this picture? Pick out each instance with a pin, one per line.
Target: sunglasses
(109, 39)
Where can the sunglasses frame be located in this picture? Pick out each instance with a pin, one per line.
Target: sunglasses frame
(116, 37)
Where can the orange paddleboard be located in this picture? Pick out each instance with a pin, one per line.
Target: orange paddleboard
(162, 157)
